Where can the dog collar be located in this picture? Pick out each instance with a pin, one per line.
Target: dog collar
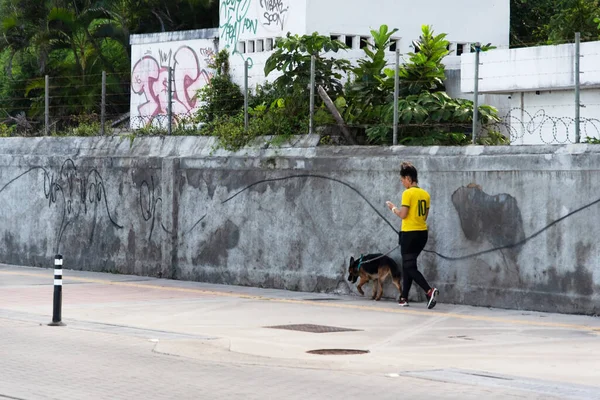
(359, 262)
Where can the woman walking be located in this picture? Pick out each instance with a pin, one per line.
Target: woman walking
(413, 234)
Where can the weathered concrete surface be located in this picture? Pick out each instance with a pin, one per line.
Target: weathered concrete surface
(218, 340)
(176, 207)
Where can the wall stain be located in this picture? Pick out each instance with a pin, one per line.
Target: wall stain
(214, 251)
(495, 219)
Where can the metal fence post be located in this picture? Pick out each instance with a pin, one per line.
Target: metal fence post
(476, 93)
(103, 105)
(57, 301)
(396, 96)
(577, 87)
(246, 94)
(312, 96)
(47, 107)
(170, 101)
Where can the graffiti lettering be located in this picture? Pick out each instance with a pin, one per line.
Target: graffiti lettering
(63, 185)
(148, 202)
(274, 13)
(206, 52)
(234, 14)
(150, 79)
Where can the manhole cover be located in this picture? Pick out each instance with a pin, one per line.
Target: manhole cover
(337, 352)
(312, 328)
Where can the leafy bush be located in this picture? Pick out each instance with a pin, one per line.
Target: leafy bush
(429, 119)
(229, 130)
(83, 125)
(220, 97)
(6, 131)
(276, 119)
(425, 70)
(293, 56)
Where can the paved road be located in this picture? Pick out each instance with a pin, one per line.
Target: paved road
(130, 337)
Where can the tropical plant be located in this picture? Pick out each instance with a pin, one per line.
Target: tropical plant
(573, 16)
(369, 88)
(430, 118)
(73, 42)
(425, 70)
(292, 57)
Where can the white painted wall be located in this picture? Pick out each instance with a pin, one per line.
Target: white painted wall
(187, 52)
(532, 68)
(548, 117)
(464, 21)
(540, 82)
(151, 57)
(248, 27)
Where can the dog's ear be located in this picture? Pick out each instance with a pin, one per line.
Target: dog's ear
(351, 260)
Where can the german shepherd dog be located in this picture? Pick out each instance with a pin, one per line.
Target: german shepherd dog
(378, 269)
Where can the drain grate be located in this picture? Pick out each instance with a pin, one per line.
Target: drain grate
(337, 352)
(312, 328)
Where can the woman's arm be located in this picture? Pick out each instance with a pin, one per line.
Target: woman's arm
(401, 212)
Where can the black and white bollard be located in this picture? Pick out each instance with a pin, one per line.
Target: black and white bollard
(57, 304)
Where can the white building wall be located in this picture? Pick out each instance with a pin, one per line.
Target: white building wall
(548, 117)
(251, 26)
(532, 68)
(541, 84)
(465, 21)
(151, 57)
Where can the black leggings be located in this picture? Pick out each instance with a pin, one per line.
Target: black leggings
(412, 244)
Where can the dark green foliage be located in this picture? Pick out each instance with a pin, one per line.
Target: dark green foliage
(221, 97)
(292, 57)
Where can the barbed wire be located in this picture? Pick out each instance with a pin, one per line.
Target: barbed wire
(519, 123)
(160, 122)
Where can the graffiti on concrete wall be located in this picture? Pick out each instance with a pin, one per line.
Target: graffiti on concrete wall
(150, 81)
(74, 193)
(149, 200)
(273, 14)
(234, 22)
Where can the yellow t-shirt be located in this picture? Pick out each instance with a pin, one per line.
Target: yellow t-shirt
(417, 200)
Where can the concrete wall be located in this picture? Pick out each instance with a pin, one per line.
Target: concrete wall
(175, 207)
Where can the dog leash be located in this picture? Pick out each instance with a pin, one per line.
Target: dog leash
(376, 258)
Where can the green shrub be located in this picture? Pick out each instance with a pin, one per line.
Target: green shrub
(221, 97)
(6, 131)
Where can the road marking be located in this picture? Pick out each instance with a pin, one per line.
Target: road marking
(403, 310)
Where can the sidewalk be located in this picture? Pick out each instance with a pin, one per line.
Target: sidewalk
(534, 355)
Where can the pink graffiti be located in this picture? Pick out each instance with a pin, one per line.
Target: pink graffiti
(150, 79)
